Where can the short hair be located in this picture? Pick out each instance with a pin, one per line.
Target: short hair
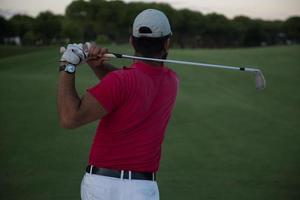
(150, 47)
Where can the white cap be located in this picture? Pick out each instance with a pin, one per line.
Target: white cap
(151, 23)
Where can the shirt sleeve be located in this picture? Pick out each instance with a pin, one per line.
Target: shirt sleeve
(108, 92)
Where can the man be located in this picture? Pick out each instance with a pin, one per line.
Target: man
(134, 105)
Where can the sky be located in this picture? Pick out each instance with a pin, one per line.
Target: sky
(265, 9)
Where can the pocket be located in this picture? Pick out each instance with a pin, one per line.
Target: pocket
(146, 190)
(92, 189)
(85, 193)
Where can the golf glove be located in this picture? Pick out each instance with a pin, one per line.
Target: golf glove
(75, 54)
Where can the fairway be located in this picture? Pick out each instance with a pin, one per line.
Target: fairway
(226, 140)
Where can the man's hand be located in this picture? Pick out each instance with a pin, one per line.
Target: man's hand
(97, 61)
(96, 56)
(75, 54)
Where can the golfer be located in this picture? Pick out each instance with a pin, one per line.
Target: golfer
(133, 106)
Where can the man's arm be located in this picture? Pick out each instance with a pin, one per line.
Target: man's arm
(74, 111)
(99, 67)
(102, 70)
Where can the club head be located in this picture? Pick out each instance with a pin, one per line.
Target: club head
(260, 81)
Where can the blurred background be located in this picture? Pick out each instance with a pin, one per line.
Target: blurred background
(195, 23)
(225, 141)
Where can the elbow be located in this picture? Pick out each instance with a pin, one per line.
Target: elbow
(67, 123)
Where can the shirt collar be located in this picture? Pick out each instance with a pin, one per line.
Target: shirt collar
(148, 68)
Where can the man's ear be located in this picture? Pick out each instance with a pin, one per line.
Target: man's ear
(167, 44)
(130, 40)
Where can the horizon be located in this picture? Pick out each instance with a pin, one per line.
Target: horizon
(282, 10)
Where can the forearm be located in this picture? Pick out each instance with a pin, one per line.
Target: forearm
(103, 69)
(68, 101)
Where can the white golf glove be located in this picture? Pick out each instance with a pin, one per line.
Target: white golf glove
(75, 54)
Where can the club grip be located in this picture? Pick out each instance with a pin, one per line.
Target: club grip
(107, 55)
(110, 55)
(62, 49)
(113, 55)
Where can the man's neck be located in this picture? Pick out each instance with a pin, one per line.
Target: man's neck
(153, 63)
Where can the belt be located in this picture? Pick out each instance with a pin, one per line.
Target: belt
(122, 174)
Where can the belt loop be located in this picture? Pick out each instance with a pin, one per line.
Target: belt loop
(91, 169)
(129, 175)
(122, 174)
(153, 177)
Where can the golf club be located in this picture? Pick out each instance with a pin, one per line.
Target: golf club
(260, 81)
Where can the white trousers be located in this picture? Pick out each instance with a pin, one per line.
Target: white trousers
(96, 187)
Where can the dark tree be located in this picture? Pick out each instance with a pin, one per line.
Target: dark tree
(292, 28)
(48, 27)
(6, 29)
(111, 21)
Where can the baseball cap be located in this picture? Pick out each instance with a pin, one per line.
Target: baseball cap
(151, 23)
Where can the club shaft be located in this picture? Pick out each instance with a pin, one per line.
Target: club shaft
(114, 55)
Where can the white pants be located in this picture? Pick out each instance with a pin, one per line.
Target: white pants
(96, 187)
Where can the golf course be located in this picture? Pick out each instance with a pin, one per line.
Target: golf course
(226, 140)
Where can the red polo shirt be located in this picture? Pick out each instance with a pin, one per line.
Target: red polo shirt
(139, 101)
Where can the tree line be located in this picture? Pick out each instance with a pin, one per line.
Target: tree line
(111, 22)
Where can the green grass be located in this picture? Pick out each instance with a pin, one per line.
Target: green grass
(8, 50)
(225, 141)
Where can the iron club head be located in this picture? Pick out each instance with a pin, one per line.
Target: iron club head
(260, 81)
